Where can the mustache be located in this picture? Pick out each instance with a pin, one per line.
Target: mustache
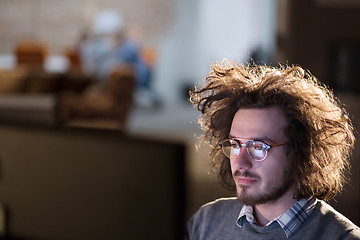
(247, 174)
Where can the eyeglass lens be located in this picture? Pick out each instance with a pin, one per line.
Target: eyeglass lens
(256, 149)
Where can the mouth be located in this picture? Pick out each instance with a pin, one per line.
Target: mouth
(245, 181)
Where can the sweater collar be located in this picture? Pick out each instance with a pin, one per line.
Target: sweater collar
(290, 221)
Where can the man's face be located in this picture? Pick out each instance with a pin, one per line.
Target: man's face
(259, 182)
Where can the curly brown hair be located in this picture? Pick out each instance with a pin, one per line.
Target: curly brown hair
(319, 133)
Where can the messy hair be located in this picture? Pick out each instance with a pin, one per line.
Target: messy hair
(319, 133)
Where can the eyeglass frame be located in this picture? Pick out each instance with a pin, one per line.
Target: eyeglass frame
(268, 146)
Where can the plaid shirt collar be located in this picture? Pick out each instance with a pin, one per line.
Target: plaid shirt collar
(290, 221)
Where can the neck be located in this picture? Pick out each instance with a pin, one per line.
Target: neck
(264, 213)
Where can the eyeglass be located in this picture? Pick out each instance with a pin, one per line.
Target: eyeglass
(256, 149)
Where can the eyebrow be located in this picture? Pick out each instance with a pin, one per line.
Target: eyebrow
(263, 138)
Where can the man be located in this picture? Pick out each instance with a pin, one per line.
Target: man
(281, 142)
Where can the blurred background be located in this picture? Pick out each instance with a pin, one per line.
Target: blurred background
(96, 132)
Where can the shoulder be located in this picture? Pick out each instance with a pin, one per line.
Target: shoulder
(222, 202)
(212, 215)
(330, 214)
(220, 207)
(337, 222)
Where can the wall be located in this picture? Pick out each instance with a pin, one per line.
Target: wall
(205, 31)
(60, 23)
(314, 28)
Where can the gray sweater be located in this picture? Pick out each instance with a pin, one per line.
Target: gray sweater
(217, 220)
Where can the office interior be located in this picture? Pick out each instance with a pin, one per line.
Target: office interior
(125, 163)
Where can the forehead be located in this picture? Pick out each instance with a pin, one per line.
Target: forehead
(263, 123)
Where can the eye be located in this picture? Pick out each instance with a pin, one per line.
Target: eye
(258, 145)
(234, 144)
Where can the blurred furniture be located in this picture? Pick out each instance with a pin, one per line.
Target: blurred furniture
(24, 80)
(30, 95)
(64, 184)
(113, 100)
(72, 54)
(80, 98)
(29, 109)
(12, 82)
(73, 98)
(31, 53)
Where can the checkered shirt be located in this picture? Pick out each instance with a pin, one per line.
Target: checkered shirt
(290, 221)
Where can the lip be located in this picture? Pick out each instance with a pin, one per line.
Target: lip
(245, 180)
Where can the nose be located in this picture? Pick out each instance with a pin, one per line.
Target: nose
(243, 161)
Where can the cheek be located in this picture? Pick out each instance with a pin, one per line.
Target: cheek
(275, 170)
(232, 167)
(277, 176)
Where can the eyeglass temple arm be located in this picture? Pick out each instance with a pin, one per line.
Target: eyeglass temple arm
(277, 145)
